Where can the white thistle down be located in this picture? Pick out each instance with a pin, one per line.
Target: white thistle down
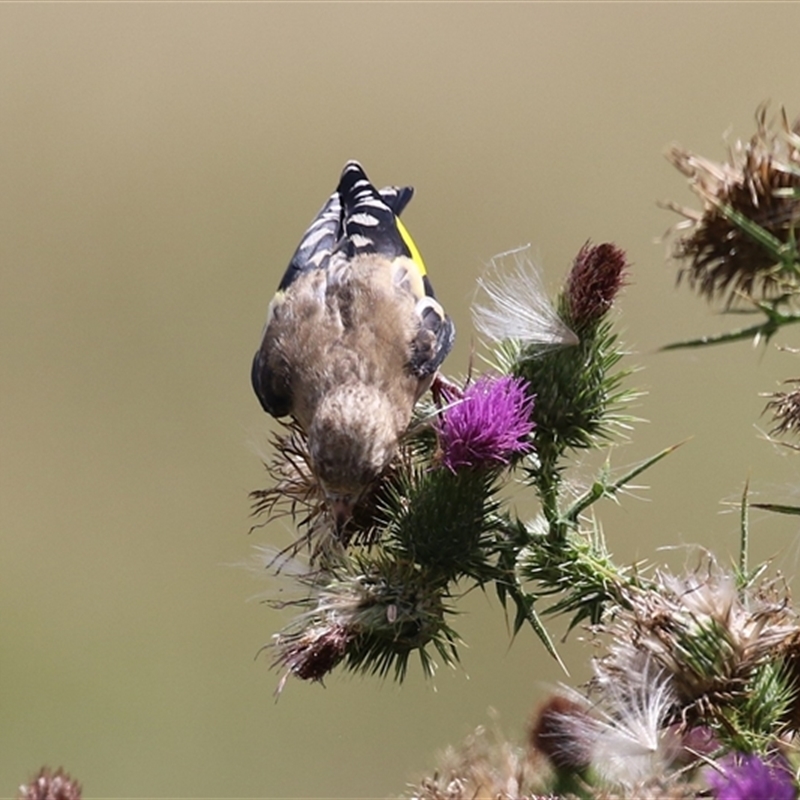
(631, 745)
(517, 305)
(623, 736)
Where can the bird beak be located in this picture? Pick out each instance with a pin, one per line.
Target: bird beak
(341, 509)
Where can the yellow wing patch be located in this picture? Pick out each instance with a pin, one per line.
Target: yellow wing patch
(412, 248)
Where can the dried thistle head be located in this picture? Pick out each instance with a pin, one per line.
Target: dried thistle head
(756, 192)
(730, 652)
(785, 408)
(484, 767)
(296, 492)
(49, 785)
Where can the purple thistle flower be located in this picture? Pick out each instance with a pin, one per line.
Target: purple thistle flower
(489, 424)
(748, 777)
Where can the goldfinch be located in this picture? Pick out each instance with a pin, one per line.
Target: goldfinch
(353, 338)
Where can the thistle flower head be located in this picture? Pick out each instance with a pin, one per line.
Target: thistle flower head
(370, 614)
(749, 777)
(49, 785)
(311, 653)
(488, 426)
(738, 245)
(597, 275)
(579, 394)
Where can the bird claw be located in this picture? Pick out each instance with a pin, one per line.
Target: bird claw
(442, 386)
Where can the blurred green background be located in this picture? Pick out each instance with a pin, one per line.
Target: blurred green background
(159, 163)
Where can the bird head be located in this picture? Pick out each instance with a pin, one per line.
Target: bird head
(352, 438)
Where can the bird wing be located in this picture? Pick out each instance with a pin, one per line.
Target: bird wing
(434, 337)
(316, 246)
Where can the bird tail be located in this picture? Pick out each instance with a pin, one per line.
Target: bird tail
(370, 218)
(356, 219)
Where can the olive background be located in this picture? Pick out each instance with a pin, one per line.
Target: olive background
(159, 163)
